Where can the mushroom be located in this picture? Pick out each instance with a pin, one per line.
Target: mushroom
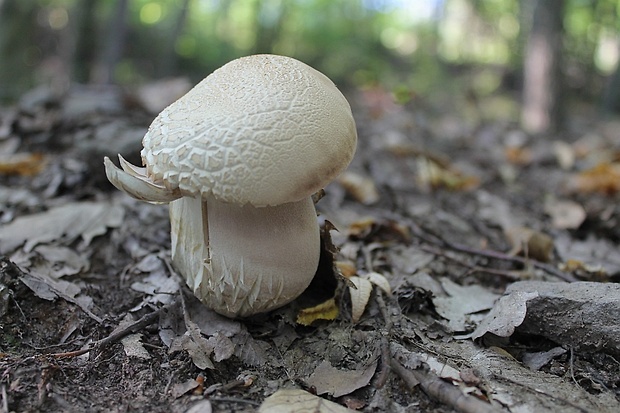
(238, 159)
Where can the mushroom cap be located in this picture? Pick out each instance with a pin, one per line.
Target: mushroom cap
(260, 130)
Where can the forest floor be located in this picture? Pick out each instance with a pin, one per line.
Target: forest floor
(492, 259)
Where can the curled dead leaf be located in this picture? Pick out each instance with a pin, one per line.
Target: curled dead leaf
(346, 268)
(433, 175)
(380, 281)
(565, 214)
(507, 314)
(361, 227)
(530, 243)
(359, 297)
(361, 188)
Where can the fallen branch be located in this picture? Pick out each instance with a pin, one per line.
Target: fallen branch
(440, 390)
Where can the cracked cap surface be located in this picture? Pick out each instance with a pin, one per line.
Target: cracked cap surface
(262, 129)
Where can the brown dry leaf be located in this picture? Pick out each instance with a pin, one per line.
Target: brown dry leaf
(584, 271)
(132, 344)
(24, 164)
(327, 310)
(47, 288)
(530, 243)
(507, 314)
(433, 175)
(250, 351)
(346, 268)
(359, 297)
(299, 401)
(603, 178)
(197, 346)
(518, 155)
(223, 347)
(335, 382)
(64, 223)
(206, 335)
(361, 188)
(361, 227)
(589, 257)
(159, 285)
(52, 260)
(535, 361)
(369, 229)
(380, 281)
(565, 214)
(180, 389)
(463, 304)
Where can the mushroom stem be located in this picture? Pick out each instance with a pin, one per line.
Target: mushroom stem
(242, 260)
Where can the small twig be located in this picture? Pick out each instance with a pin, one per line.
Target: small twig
(437, 251)
(572, 366)
(169, 383)
(385, 332)
(136, 326)
(186, 319)
(513, 258)
(441, 391)
(437, 240)
(5, 400)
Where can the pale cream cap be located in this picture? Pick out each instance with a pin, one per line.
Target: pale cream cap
(261, 130)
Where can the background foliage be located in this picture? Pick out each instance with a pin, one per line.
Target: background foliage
(408, 47)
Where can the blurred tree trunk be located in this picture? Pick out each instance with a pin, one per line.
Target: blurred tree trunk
(542, 69)
(611, 94)
(19, 54)
(269, 17)
(85, 40)
(170, 58)
(115, 44)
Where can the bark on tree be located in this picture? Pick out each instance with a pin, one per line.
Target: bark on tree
(18, 49)
(86, 37)
(542, 110)
(115, 44)
(170, 58)
(611, 94)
